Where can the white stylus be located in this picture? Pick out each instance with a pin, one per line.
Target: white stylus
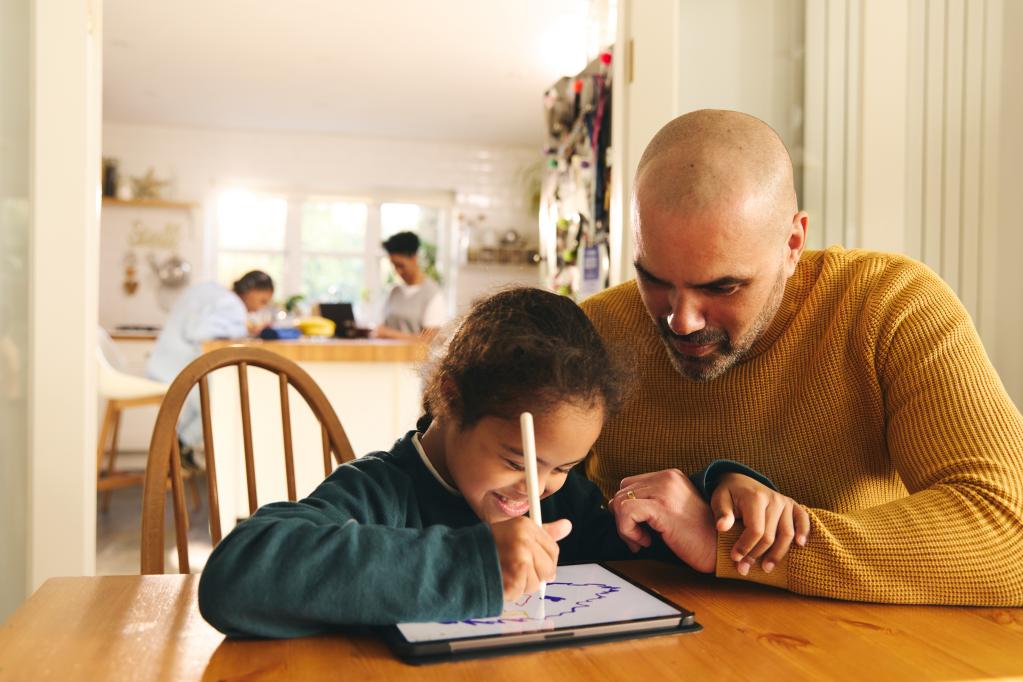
(532, 483)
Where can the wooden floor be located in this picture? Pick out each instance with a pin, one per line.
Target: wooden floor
(118, 530)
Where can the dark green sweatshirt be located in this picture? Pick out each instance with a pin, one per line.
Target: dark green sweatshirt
(381, 541)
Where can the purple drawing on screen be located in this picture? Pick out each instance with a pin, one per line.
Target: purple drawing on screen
(562, 599)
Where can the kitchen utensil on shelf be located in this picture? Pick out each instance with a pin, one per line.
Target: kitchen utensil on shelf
(173, 272)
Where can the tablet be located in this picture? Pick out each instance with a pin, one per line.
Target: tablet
(584, 603)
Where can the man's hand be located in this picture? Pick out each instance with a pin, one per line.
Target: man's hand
(527, 554)
(669, 504)
(770, 520)
(384, 332)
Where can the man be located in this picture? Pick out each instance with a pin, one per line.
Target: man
(414, 309)
(854, 380)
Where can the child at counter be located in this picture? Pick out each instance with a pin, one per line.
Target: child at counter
(435, 528)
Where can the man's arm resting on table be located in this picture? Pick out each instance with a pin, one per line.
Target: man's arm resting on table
(956, 440)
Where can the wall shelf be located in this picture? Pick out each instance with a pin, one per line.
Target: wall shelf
(502, 256)
(149, 203)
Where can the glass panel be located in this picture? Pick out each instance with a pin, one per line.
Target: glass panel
(232, 265)
(246, 220)
(15, 274)
(333, 225)
(332, 278)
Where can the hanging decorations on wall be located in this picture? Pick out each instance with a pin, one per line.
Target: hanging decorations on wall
(131, 283)
(575, 198)
(147, 186)
(172, 272)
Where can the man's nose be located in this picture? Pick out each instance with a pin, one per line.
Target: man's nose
(686, 316)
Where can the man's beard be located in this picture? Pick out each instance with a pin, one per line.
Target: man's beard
(728, 353)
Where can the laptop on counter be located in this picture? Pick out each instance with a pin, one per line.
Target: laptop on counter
(343, 317)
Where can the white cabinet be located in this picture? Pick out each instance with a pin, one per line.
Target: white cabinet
(377, 402)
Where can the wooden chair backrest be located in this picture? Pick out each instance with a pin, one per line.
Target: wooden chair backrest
(165, 457)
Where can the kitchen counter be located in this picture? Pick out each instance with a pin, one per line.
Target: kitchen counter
(312, 349)
(372, 384)
(133, 336)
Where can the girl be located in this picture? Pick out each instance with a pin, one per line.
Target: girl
(434, 529)
(205, 311)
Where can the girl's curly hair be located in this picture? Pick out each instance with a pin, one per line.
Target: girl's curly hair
(522, 349)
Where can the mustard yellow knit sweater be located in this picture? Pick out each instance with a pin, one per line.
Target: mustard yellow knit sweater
(869, 400)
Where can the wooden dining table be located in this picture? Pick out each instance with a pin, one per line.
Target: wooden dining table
(149, 628)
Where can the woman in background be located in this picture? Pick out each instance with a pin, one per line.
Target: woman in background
(415, 307)
(204, 312)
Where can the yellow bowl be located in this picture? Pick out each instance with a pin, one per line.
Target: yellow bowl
(316, 326)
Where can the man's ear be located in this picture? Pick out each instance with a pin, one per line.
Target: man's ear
(796, 240)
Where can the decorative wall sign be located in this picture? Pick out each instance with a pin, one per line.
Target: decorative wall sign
(143, 235)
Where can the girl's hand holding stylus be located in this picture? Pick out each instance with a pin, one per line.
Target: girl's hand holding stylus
(528, 554)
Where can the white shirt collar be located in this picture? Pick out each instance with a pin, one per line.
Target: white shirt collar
(429, 465)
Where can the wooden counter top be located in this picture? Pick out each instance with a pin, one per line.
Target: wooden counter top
(333, 350)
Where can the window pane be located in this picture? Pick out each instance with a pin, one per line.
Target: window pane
(333, 226)
(246, 220)
(231, 266)
(423, 220)
(330, 278)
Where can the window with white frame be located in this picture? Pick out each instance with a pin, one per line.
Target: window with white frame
(334, 242)
(327, 248)
(251, 234)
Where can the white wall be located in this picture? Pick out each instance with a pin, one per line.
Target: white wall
(66, 78)
(676, 56)
(913, 146)
(484, 179)
(745, 56)
(646, 67)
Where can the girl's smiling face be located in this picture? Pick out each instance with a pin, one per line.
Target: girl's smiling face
(485, 461)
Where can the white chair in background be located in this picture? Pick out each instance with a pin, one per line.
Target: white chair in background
(121, 391)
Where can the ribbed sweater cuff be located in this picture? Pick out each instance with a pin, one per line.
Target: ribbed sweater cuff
(726, 568)
(490, 568)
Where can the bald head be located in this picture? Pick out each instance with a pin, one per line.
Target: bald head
(713, 159)
(717, 236)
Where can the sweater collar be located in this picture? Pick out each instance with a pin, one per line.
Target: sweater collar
(429, 466)
(795, 293)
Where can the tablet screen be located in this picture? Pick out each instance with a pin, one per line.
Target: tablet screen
(580, 595)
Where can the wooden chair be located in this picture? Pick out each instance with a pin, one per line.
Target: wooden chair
(165, 457)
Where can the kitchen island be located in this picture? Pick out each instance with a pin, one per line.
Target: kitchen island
(373, 385)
